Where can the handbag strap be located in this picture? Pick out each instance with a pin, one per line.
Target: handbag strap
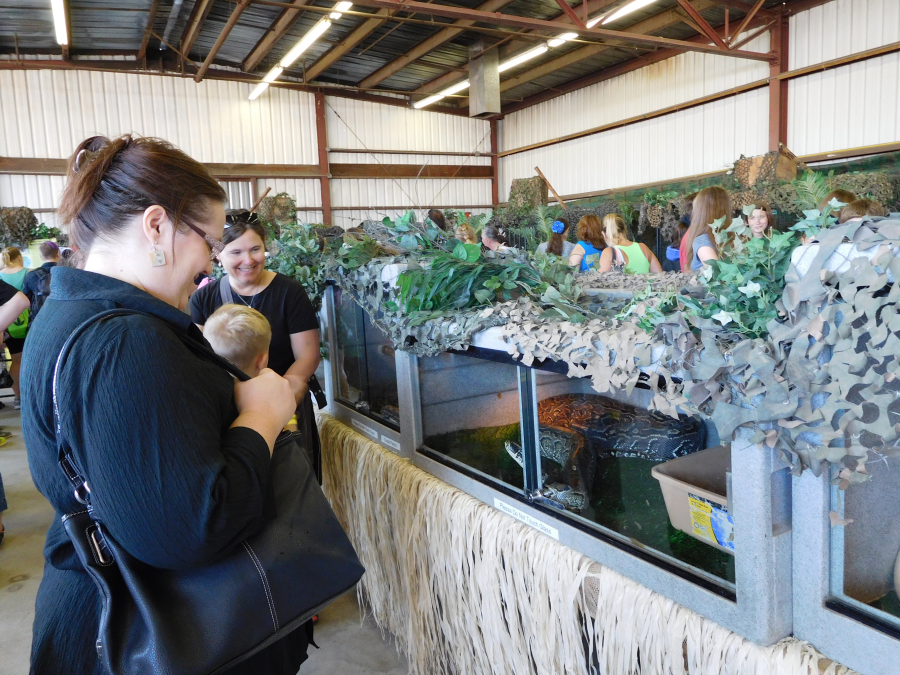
(225, 290)
(64, 452)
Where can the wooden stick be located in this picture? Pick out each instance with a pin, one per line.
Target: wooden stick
(558, 198)
(259, 201)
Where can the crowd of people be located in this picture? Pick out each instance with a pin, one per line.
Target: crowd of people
(603, 245)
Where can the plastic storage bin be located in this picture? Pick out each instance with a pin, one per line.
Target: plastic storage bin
(695, 490)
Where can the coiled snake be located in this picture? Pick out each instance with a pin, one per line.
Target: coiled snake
(577, 429)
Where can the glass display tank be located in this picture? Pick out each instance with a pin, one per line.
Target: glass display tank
(365, 368)
(470, 413)
(865, 543)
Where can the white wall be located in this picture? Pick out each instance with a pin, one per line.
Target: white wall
(698, 140)
(45, 114)
(823, 115)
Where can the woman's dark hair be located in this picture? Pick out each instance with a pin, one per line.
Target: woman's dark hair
(844, 196)
(493, 233)
(555, 244)
(109, 182)
(239, 223)
(678, 234)
(438, 218)
(861, 208)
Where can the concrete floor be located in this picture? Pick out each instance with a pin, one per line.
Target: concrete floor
(348, 647)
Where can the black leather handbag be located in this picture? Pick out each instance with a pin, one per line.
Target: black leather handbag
(206, 620)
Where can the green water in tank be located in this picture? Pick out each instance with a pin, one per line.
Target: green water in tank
(624, 497)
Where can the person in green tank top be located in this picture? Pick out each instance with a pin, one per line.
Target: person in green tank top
(638, 259)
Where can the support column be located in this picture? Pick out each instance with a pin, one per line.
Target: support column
(495, 164)
(325, 178)
(778, 89)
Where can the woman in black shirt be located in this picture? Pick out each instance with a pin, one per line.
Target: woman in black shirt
(177, 454)
(294, 351)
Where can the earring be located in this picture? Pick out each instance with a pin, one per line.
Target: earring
(157, 257)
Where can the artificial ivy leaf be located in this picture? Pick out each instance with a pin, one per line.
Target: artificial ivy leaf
(473, 252)
(409, 242)
(483, 295)
(460, 252)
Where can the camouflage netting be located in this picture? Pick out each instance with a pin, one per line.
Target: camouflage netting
(877, 185)
(278, 211)
(528, 193)
(16, 225)
(665, 281)
(820, 388)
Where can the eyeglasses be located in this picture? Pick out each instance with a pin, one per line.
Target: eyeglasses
(215, 246)
(236, 217)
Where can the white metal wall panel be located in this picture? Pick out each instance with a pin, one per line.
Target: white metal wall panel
(698, 140)
(382, 158)
(682, 78)
(840, 28)
(422, 193)
(240, 194)
(305, 191)
(822, 117)
(361, 124)
(46, 113)
(35, 192)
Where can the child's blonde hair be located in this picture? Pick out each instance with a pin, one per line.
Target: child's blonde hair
(241, 334)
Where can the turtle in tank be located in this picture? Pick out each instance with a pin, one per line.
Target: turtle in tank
(575, 430)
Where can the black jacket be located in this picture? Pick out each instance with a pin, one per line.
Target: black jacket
(148, 421)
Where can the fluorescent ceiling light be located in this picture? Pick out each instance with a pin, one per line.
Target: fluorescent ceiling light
(343, 6)
(260, 88)
(627, 9)
(314, 34)
(523, 57)
(428, 101)
(59, 21)
(562, 39)
(334, 16)
(593, 22)
(273, 74)
(456, 88)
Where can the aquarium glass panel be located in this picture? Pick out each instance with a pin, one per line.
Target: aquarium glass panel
(865, 553)
(470, 413)
(598, 457)
(366, 374)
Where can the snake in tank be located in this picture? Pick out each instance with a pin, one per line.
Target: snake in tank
(575, 430)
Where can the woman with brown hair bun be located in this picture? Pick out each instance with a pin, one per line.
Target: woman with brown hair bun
(175, 450)
(859, 209)
(590, 242)
(710, 204)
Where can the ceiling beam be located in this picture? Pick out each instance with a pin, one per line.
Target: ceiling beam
(744, 6)
(426, 46)
(747, 19)
(194, 24)
(279, 29)
(148, 30)
(569, 12)
(226, 30)
(360, 33)
(661, 21)
(555, 26)
(702, 23)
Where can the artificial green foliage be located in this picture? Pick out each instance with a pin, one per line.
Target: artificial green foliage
(412, 235)
(298, 257)
(43, 232)
(661, 198)
(16, 226)
(449, 283)
(815, 221)
(353, 251)
(739, 292)
(812, 187)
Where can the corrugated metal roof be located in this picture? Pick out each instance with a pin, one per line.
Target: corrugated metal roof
(118, 26)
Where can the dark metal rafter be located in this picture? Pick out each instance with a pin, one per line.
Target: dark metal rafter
(702, 23)
(194, 24)
(148, 30)
(279, 29)
(226, 30)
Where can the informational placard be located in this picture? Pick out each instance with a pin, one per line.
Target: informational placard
(711, 521)
(390, 442)
(523, 517)
(366, 429)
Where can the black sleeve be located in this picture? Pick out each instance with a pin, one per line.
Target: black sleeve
(7, 292)
(204, 302)
(298, 310)
(174, 484)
